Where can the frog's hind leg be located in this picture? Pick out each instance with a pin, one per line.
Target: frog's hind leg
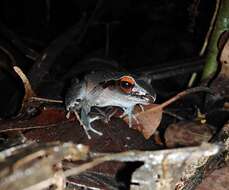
(81, 124)
(86, 123)
(105, 115)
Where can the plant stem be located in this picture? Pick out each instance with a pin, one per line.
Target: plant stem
(221, 25)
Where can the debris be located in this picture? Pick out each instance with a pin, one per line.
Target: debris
(203, 167)
(33, 166)
(187, 134)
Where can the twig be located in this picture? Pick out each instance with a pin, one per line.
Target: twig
(180, 95)
(173, 115)
(45, 100)
(206, 40)
(34, 127)
(192, 79)
(221, 25)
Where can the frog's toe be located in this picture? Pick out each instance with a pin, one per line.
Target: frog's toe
(86, 131)
(92, 119)
(68, 115)
(95, 131)
(86, 124)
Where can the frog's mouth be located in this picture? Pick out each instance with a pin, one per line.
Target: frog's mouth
(145, 97)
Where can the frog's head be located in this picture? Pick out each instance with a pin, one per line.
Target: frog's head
(130, 91)
(136, 90)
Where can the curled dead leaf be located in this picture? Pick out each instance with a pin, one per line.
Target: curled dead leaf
(30, 98)
(28, 89)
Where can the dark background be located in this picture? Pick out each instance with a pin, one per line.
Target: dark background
(141, 33)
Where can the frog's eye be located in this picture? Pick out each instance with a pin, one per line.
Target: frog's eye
(126, 84)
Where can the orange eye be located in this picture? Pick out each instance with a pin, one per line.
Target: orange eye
(126, 84)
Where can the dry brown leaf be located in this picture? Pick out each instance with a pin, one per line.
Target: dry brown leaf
(30, 95)
(186, 133)
(148, 120)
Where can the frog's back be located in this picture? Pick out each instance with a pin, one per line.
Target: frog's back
(98, 76)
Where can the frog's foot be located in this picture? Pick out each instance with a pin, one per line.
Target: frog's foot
(141, 106)
(135, 118)
(111, 112)
(107, 114)
(129, 112)
(91, 128)
(68, 115)
(88, 127)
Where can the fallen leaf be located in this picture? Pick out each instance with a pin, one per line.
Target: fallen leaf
(186, 133)
(146, 121)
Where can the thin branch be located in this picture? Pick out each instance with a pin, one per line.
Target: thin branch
(173, 115)
(34, 127)
(45, 100)
(211, 27)
(206, 40)
(221, 25)
(180, 95)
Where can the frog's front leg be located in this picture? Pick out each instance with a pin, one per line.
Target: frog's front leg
(129, 112)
